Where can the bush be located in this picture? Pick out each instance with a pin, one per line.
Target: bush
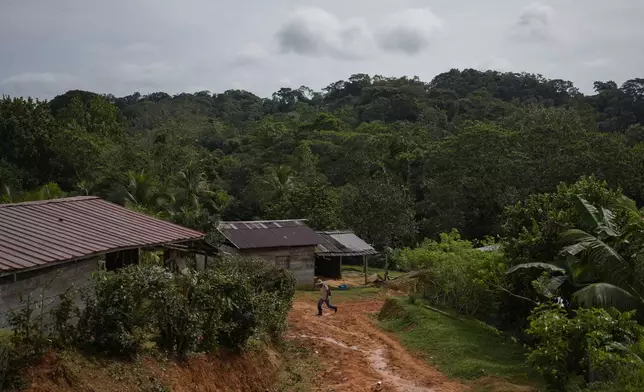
(593, 343)
(118, 313)
(456, 275)
(531, 227)
(21, 347)
(63, 331)
(629, 378)
(229, 305)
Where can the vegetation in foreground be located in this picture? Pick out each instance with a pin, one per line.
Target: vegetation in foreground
(231, 306)
(462, 348)
(567, 282)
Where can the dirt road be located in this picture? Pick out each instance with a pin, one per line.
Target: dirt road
(356, 354)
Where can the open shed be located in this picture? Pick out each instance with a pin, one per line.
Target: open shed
(339, 246)
(49, 246)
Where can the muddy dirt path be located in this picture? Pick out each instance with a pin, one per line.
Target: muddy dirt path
(356, 355)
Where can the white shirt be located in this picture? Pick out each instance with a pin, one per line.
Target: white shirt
(324, 292)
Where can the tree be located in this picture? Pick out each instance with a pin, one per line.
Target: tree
(318, 203)
(380, 210)
(602, 265)
(531, 227)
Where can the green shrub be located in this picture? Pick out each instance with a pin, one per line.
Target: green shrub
(176, 314)
(228, 305)
(457, 275)
(7, 368)
(25, 344)
(63, 331)
(593, 344)
(629, 378)
(117, 315)
(531, 227)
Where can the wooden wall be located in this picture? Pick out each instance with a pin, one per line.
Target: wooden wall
(300, 260)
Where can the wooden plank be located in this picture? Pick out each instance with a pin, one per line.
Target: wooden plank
(366, 277)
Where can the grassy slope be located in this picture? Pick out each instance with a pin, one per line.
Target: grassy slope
(340, 296)
(462, 348)
(370, 271)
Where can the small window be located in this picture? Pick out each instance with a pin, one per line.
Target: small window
(283, 262)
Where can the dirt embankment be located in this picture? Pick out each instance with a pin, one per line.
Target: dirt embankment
(252, 371)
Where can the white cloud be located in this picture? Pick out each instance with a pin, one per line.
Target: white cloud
(316, 32)
(285, 82)
(38, 78)
(535, 23)
(250, 54)
(496, 64)
(410, 31)
(599, 62)
(149, 75)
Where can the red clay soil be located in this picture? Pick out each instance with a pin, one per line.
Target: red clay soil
(358, 356)
(354, 355)
(254, 371)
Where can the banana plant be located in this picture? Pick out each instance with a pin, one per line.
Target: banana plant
(601, 265)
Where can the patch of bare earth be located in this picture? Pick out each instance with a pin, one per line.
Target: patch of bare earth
(355, 355)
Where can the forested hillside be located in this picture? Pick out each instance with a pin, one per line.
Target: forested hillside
(396, 159)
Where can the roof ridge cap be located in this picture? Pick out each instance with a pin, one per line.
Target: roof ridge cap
(50, 201)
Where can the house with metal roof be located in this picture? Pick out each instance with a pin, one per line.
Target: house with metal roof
(48, 246)
(288, 244)
(339, 246)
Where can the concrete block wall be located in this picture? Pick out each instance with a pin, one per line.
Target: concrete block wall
(44, 287)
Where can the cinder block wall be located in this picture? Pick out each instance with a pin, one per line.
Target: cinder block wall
(43, 287)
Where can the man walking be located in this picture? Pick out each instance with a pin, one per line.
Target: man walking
(325, 297)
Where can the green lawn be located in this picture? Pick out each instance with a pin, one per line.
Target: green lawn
(462, 348)
(339, 296)
(370, 271)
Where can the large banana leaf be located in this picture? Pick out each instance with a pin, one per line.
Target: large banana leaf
(577, 241)
(545, 266)
(606, 295)
(601, 221)
(599, 257)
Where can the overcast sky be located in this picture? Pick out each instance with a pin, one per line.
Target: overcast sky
(121, 46)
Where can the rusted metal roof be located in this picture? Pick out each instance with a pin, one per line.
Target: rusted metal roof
(36, 234)
(269, 234)
(343, 243)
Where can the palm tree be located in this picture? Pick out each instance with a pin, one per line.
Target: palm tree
(275, 189)
(7, 195)
(192, 188)
(280, 182)
(604, 264)
(142, 195)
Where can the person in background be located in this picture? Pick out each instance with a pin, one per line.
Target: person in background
(325, 297)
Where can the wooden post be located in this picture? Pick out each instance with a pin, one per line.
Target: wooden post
(364, 260)
(340, 266)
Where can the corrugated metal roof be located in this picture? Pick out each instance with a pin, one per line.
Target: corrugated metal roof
(489, 248)
(269, 234)
(343, 243)
(37, 233)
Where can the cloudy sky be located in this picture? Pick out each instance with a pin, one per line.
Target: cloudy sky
(122, 46)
